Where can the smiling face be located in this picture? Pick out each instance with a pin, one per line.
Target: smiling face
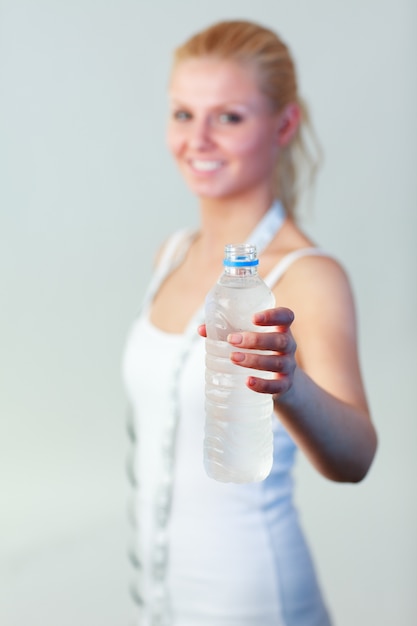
(222, 131)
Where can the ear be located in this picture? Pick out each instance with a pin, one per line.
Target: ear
(288, 123)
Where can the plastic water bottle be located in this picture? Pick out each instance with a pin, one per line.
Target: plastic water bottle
(238, 443)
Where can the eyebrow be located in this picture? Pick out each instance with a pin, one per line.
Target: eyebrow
(220, 105)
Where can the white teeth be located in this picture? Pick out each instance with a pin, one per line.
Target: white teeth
(206, 166)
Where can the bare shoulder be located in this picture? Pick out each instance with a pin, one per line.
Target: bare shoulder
(316, 270)
(318, 289)
(319, 292)
(311, 270)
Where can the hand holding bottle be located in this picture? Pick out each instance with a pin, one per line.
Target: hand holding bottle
(279, 346)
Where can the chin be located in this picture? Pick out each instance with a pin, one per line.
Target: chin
(206, 190)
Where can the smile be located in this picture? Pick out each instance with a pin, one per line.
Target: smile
(206, 166)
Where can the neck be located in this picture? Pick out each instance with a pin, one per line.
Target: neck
(229, 220)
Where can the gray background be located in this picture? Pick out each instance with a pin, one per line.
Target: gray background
(87, 193)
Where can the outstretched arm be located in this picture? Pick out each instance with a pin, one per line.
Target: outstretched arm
(317, 387)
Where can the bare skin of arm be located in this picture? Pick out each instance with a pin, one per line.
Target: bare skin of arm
(317, 390)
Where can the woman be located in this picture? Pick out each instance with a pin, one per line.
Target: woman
(224, 554)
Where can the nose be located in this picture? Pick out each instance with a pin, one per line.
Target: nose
(200, 134)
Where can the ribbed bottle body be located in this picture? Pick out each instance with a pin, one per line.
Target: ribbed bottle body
(238, 432)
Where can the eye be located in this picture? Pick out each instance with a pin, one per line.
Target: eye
(230, 118)
(181, 116)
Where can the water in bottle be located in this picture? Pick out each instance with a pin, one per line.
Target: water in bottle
(238, 431)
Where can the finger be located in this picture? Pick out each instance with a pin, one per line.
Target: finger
(282, 342)
(275, 387)
(202, 330)
(275, 363)
(280, 316)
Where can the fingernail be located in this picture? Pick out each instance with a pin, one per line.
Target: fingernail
(235, 338)
(237, 357)
(259, 317)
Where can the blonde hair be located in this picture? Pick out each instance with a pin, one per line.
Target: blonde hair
(247, 42)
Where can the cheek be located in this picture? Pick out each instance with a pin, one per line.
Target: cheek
(255, 144)
(257, 155)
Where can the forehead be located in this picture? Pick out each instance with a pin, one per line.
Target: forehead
(214, 81)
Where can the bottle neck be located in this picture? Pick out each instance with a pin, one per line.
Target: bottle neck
(240, 260)
(241, 271)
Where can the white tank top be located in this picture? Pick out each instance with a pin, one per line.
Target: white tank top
(237, 556)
